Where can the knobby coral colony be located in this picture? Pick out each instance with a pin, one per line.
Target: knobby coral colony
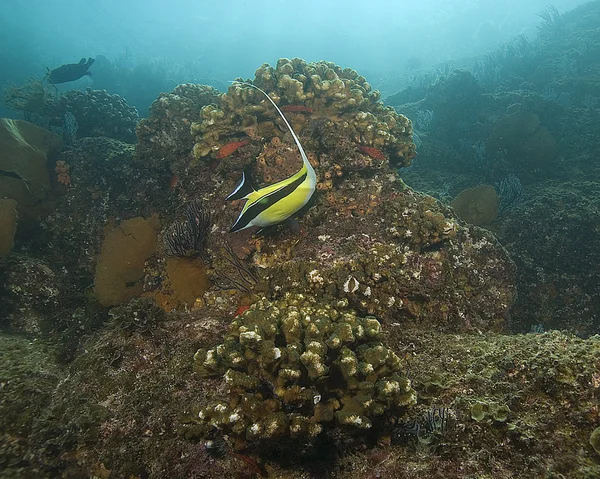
(337, 102)
(294, 367)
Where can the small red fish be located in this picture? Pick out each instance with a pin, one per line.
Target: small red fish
(229, 148)
(254, 467)
(174, 182)
(241, 310)
(372, 152)
(296, 109)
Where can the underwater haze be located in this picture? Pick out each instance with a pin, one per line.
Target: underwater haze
(299, 240)
(167, 43)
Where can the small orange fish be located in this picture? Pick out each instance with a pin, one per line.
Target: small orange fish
(296, 109)
(229, 148)
(241, 310)
(372, 152)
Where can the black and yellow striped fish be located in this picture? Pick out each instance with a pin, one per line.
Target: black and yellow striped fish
(275, 203)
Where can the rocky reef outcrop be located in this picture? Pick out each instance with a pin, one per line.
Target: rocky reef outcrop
(357, 337)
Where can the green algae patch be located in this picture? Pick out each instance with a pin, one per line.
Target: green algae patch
(479, 411)
(120, 266)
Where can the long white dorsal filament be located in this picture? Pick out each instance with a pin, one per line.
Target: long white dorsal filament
(302, 153)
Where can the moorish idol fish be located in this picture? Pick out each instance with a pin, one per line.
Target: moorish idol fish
(70, 71)
(275, 203)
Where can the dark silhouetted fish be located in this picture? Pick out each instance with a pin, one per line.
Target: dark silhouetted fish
(70, 71)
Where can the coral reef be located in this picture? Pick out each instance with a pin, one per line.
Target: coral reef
(8, 225)
(293, 366)
(82, 113)
(539, 393)
(98, 113)
(164, 138)
(322, 100)
(367, 238)
(120, 265)
(325, 329)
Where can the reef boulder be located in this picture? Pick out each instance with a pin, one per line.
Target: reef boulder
(366, 238)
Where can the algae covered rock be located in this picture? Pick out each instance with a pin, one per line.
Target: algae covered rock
(105, 184)
(554, 240)
(29, 376)
(8, 225)
(33, 292)
(296, 366)
(398, 255)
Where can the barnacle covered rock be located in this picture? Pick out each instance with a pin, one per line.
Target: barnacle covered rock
(295, 366)
(337, 106)
(164, 138)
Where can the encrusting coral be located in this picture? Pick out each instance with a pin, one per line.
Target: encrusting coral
(294, 366)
